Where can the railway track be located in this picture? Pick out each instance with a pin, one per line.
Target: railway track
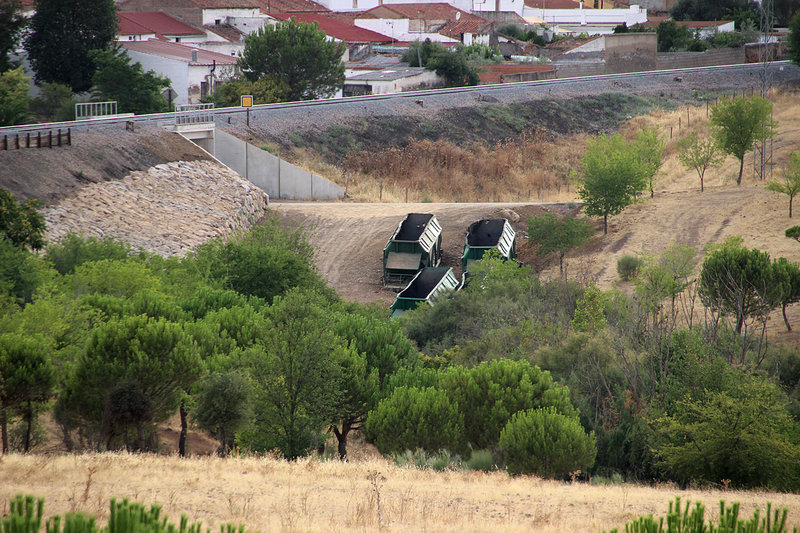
(238, 115)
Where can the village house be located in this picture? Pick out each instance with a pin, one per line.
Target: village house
(439, 22)
(192, 71)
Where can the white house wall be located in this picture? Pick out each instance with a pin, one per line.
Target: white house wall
(478, 6)
(197, 74)
(224, 47)
(398, 30)
(631, 16)
(210, 16)
(176, 71)
(248, 25)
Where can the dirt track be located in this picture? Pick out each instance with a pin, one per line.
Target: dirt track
(349, 238)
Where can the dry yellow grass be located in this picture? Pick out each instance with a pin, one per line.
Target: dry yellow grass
(268, 494)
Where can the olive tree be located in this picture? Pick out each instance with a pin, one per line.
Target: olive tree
(790, 185)
(699, 154)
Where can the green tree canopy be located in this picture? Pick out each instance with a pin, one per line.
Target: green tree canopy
(264, 90)
(649, 146)
(546, 443)
(14, 89)
(741, 282)
(451, 64)
(740, 433)
(223, 406)
(790, 185)
(21, 223)
(134, 90)
(558, 234)
(296, 375)
(739, 123)
(297, 54)
(11, 24)
(613, 175)
(414, 418)
(794, 38)
(26, 376)
(55, 103)
(700, 154)
(672, 37)
(63, 32)
(158, 356)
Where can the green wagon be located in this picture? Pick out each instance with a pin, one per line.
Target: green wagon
(427, 285)
(488, 234)
(417, 243)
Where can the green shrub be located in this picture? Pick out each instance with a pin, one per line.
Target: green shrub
(414, 418)
(628, 266)
(481, 460)
(439, 461)
(74, 250)
(546, 443)
(793, 232)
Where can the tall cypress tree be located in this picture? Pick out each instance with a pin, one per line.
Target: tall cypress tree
(62, 34)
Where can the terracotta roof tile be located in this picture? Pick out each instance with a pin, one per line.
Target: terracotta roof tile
(178, 52)
(156, 21)
(336, 29)
(436, 11)
(291, 6)
(224, 4)
(226, 31)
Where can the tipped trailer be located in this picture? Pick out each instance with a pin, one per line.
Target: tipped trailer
(417, 243)
(488, 234)
(427, 285)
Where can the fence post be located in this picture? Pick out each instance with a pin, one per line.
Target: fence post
(670, 132)
(28, 140)
(406, 194)
(38, 139)
(59, 136)
(50, 139)
(16, 141)
(5, 142)
(69, 136)
(380, 193)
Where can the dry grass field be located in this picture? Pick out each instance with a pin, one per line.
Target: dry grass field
(269, 495)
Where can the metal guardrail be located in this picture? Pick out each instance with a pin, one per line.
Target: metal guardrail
(95, 109)
(194, 114)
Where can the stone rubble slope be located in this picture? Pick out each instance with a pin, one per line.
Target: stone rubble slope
(168, 209)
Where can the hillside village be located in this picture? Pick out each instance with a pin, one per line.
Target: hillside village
(566, 304)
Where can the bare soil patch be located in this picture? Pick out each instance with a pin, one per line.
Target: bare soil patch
(104, 154)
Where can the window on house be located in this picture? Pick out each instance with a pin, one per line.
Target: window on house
(217, 22)
(177, 39)
(203, 89)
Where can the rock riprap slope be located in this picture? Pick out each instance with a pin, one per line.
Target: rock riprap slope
(168, 209)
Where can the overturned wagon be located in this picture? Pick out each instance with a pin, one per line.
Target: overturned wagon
(426, 286)
(488, 234)
(416, 243)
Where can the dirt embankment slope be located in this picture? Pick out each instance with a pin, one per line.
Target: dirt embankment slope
(104, 154)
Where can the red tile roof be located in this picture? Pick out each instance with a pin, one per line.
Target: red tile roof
(456, 28)
(291, 6)
(437, 11)
(178, 52)
(156, 22)
(224, 4)
(337, 30)
(226, 31)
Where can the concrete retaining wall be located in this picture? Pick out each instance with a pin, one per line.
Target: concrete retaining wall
(278, 178)
(722, 56)
(574, 69)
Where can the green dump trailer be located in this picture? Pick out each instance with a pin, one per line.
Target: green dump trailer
(416, 243)
(429, 283)
(488, 234)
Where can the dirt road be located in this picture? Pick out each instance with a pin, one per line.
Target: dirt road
(349, 238)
